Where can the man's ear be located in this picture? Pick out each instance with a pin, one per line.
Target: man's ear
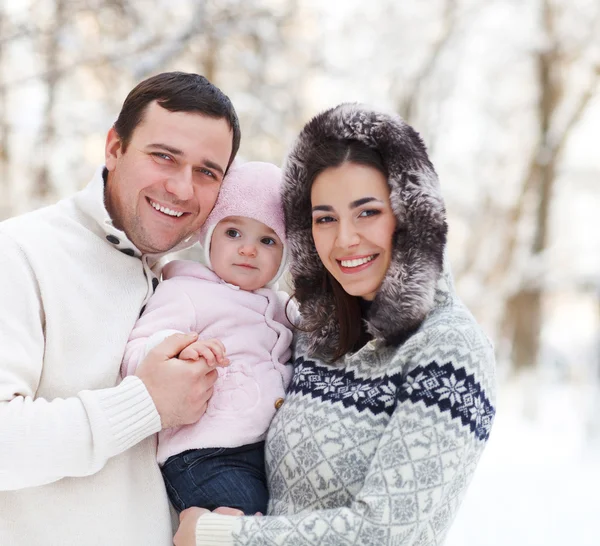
(112, 150)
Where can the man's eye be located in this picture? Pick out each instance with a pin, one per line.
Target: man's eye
(233, 233)
(162, 156)
(208, 173)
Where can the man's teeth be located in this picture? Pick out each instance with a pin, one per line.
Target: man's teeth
(357, 262)
(165, 210)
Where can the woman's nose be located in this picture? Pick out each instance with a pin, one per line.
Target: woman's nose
(347, 235)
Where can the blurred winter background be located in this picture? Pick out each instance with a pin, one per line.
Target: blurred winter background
(506, 95)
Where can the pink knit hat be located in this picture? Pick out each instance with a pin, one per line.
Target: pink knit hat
(252, 190)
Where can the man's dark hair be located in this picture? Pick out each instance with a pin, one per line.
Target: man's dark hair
(177, 92)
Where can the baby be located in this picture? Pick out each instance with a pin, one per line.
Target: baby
(219, 461)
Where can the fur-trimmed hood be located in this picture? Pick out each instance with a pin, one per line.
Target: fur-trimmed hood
(406, 294)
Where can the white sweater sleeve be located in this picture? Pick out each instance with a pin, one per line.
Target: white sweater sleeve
(42, 440)
(169, 311)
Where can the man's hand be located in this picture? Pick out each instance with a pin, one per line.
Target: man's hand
(212, 350)
(188, 519)
(180, 389)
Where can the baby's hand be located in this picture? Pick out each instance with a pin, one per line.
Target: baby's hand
(212, 350)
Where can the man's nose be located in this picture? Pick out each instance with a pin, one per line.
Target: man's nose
(181, 184)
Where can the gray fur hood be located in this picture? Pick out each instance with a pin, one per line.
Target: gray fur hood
(406, 295)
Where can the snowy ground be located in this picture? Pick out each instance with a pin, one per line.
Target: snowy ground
(538, 482)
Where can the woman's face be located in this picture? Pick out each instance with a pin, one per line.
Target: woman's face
(353, 225)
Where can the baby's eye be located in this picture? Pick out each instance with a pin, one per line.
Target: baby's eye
(268, 241)
(233, 233)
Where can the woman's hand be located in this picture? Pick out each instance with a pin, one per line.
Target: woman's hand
(188, 519)
(186, 534)
(226, 511)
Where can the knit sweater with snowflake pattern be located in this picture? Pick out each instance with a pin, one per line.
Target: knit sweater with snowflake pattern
(378, 448)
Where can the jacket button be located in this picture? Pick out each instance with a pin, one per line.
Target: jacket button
(278, 403)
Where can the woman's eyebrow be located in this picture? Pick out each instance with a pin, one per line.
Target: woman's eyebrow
(362, 201)
(352, 205)
(325, 208)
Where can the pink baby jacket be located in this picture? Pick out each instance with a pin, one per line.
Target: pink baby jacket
(257, 336)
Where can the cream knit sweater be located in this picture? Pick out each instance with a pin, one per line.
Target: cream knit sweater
(77, 445)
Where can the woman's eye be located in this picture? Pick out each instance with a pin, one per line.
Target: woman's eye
(369, 212)
(233, 233)
(268, 241)
(324, 220)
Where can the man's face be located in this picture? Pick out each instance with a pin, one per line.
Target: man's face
(162, 188)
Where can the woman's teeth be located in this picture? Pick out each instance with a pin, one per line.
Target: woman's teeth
(357, 262)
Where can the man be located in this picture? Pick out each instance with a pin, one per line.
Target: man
(77, 444)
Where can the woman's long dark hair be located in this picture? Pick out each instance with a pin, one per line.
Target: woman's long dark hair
(334, 153)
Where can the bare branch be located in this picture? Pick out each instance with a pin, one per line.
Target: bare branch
(408, 104)
(586, 96)
(173, 46)
(549, 146)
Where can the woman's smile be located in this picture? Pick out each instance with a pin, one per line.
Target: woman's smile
(356, 264)
(353, 226)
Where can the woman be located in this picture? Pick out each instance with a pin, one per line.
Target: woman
(393, 392)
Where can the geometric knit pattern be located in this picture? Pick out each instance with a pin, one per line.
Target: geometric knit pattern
(378, 448)
(451, 390)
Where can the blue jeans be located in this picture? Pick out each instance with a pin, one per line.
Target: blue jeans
(221, 476)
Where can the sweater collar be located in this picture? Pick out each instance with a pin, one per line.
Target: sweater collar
(92, 203)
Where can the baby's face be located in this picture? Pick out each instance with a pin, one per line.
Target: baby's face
(245, 252)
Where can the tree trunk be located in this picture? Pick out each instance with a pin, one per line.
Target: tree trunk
(523, 314)
(42, 190)
(5, 203)
(524, 319)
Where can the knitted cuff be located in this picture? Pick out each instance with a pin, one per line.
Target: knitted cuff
(215, 529)
(125, 413)
(158, 337)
